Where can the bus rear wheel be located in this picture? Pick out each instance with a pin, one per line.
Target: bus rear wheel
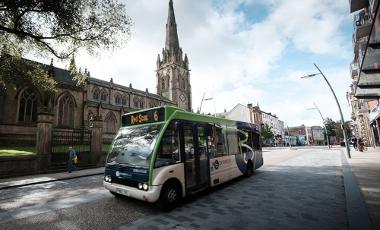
(170, 197)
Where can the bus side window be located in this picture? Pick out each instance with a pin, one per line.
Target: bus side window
(168, 151)
(220, 142)
(233, 145)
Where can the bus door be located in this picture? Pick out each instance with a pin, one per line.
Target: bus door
(196, 156)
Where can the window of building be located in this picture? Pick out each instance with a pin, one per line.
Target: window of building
(103, 96)
(109, 125)
(117, 99)
(163, 84)
(141, 104)
(66, 111)
(168, 152)
(124, 100)
(28, 107)
(95, 94)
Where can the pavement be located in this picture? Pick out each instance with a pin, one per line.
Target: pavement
(14, 182)
(364, 168)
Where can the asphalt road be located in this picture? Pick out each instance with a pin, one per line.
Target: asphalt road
(297, 189)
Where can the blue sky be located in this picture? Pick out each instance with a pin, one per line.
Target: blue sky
(243, 51)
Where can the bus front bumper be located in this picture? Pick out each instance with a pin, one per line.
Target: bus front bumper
(152, 195)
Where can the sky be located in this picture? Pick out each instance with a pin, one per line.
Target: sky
(242, 51)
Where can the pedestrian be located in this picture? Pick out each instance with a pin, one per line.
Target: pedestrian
(72, 157)
(354, 142)
(360, 145)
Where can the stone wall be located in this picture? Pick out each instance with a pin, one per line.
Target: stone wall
(18, 166)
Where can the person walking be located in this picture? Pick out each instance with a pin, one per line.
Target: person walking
(360, 145)
(355, 142)
(72, 156)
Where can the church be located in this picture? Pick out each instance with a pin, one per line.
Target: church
(74, 106)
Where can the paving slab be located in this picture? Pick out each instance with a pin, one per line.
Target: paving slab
(44, 178)
(365, 167)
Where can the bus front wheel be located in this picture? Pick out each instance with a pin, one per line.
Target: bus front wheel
(170, 197)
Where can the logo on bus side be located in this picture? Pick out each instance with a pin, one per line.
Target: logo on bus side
(216, 164)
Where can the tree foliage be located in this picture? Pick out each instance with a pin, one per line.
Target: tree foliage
(58, 27)
(18, 72)
(61, 27)
(266, 132)
(334, 128)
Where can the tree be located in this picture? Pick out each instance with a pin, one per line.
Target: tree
(61, 27)
(58, 27)
(266, 132)
(334, 128)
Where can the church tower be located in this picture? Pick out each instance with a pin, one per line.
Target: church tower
(173, 74)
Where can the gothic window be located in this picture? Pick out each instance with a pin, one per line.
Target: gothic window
(135, 102)
(163, 84)
(28, 107)
(117, 99)
(109, 125)
(141, 104)
(124, 100)
(95, 94)
(66, 106)
(103, 96)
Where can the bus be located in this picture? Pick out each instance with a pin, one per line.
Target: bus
(164, 154)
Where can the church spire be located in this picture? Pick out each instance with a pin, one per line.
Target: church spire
(172, 42)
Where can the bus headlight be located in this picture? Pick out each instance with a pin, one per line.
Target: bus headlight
(140, 186)
(145, 186)
(107, 178)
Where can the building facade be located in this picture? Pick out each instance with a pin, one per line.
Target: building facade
(364, 91)
(173, 74)
(75, 106)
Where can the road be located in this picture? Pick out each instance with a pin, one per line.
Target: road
(297, 189)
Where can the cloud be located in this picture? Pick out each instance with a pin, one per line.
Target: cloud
(236, 60)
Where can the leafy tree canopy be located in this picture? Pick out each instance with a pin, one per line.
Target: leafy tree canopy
(334, 128)
(58, 27)
(63, 26)
(266, 132)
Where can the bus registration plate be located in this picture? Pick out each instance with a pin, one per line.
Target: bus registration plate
(121, 191)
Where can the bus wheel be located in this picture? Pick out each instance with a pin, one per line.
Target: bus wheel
(249, 169)
(170, 197)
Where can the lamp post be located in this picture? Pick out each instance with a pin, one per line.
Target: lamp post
(337, 102)
(207, 99)
(327, 136)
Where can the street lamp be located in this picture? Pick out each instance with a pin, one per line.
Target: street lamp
(337, 102)
(316, 108)
(207, 99)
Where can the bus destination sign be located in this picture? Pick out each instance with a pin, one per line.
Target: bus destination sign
(145, 117)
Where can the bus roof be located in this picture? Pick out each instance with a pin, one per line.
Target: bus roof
(166, 113)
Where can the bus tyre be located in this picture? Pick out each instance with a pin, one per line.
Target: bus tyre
(249, 169)
(170, 197)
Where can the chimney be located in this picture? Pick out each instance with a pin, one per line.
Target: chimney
(249, 105)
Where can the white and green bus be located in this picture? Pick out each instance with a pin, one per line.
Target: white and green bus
(164, 154)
